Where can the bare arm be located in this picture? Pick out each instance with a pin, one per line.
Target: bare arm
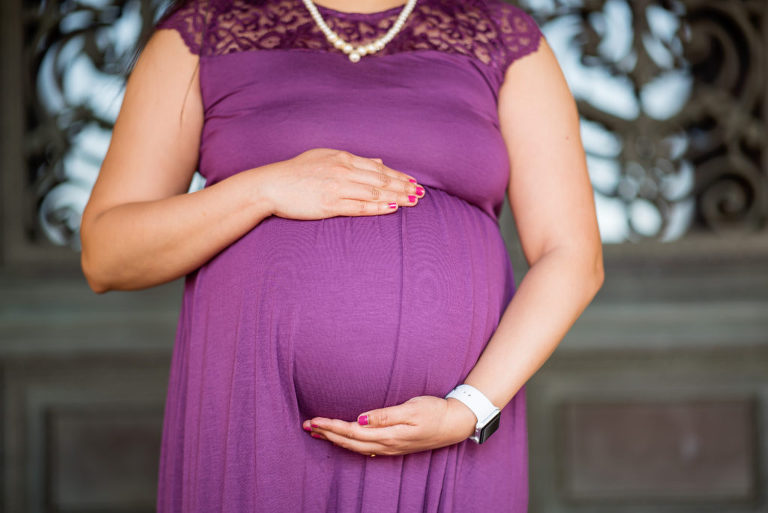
(553, 205)
(140, 228)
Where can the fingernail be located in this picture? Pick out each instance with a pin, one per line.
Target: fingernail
(411, 198)
(306, 428)
(419, 191)
(392, 205)
(314, 425)
(363, 420)
(412, 180)
(315, 435)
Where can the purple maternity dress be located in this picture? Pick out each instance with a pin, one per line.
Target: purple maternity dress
(337, 316)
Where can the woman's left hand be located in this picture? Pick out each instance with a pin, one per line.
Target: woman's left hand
(419, 424)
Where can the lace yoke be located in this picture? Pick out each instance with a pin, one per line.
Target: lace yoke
(493, 32)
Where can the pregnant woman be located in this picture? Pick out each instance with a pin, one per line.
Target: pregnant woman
(350, 336)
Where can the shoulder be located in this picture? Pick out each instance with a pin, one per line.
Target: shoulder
(201, 22)
(212, 27)
(517, 33)
(186, 17)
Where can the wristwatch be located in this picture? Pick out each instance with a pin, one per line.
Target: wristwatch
(487, 414)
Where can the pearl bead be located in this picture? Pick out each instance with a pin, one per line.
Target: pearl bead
(355, 53)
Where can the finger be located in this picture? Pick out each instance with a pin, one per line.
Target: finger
(354, 431)
(359, 191)
(353, 207)
(377, 165)
(389, 416)
(405, 183)
(360, 447)
(382, 179)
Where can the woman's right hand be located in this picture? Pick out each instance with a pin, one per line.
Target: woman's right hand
(323, 182)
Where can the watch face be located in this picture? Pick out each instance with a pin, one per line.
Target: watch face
(489, 428)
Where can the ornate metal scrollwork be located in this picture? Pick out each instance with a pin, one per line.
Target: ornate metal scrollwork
(672, 95)
(727, 119)
(78, 54)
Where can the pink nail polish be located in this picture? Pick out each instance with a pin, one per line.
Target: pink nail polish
(315, 435)
(307, 429)
(411, 198)
(392, 205)
(419, 191)
(412, 180)
(314, 425)
(363, 420)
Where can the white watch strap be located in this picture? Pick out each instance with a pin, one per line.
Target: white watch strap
(480, 405)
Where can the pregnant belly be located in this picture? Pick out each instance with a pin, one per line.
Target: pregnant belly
(359, 313)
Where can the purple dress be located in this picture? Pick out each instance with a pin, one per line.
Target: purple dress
(337, 316)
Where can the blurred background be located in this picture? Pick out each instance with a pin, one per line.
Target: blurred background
(656, 400)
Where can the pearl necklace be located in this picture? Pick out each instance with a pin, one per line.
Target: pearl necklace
(355, 53)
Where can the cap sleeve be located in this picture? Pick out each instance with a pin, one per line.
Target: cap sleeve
(187, 17)
(519, 34)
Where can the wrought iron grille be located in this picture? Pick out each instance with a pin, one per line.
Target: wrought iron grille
(672, 95)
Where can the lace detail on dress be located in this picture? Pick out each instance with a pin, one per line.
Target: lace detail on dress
(491, 31)
(518, 31)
